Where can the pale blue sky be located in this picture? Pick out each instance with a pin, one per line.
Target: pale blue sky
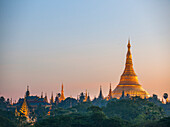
(82, 44)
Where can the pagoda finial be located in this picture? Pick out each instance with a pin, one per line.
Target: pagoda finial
(100, 94)
(129, 70)
(27, 92)
(129, 45)
(62, 94)
(110, 92)
(62, 88)
(41, 94)
(52, 100)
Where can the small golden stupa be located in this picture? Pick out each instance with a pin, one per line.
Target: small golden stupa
(129, 80)
(62, 98)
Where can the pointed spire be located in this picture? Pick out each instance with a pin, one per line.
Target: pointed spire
(100, 94)
(110, 92)
(62, 94)
(45, 98)
(62, 88)
(41, 94)
(129, 71)
(27, 92)
(123, 94)
(85, 99)
(88, 98)
(52, 99)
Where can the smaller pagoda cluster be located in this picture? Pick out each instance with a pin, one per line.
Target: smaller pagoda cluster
(29, 104)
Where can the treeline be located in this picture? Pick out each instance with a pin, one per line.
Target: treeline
(135, 112)
(119, 113)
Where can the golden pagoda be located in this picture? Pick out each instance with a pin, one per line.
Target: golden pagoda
(24, 109)
(16, 112)
(86, 97)
(62, 98)
(129, 80)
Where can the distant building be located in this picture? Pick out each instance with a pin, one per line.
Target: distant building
(52, 99)
(88, 98)
(110, 94)
(100, 97)
(32, 101)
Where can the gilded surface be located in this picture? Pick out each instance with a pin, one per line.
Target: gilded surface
(129, 80)
(62, 97)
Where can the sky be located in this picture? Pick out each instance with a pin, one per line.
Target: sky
(83, 45)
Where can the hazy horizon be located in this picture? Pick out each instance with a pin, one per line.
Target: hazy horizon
(83, 45)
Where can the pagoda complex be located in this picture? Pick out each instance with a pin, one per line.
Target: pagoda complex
(129, 81)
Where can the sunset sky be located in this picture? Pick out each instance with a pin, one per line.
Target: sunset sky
(82, 44)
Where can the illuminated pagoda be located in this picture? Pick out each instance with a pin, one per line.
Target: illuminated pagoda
(24, 109)
(129, 80)
(32, 102)
(62, 98)
(85, 99)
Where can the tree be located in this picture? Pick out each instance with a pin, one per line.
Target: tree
(165, 96)
(94, 109)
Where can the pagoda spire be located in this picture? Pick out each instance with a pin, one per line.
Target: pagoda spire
(110, 92)
(62, 94)
(85, 99)
(52, 99)
(100, 94)
(27, 92)
(45, 98)
(41, 94)
(129, 76)
(88, 98)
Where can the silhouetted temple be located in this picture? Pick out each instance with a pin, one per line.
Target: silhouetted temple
(100, 94)
(129, 80)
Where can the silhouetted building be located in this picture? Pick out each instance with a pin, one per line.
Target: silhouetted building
(100, 94)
